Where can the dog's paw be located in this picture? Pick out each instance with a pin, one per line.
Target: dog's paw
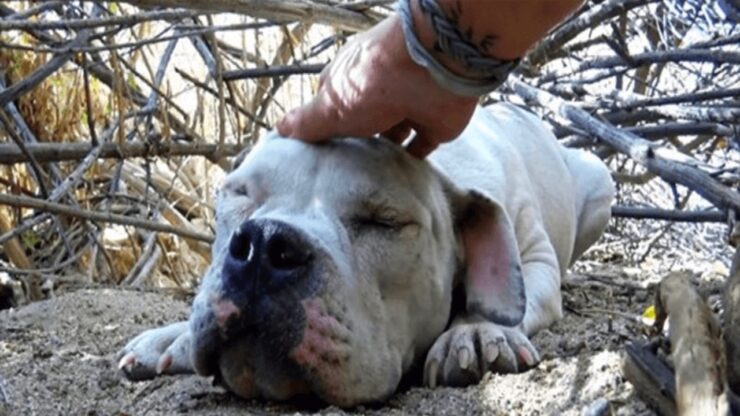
(466, 351)
(158, 351)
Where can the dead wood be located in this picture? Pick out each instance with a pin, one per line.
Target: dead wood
(669, 215)
(14, 251)
(731, 329)
(696, 350)
(276, 10)
(55, 152)
(660, 161)
(26, 202)
(652, 378)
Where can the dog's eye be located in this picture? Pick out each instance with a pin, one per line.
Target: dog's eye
(241, 190)
(380, 223)
(377, 222)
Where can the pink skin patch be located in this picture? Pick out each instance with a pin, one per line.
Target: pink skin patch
(322, 350)
(223, 310)
(488, 257)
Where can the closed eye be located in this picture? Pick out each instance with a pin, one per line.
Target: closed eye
(241, 191)
(380, 223)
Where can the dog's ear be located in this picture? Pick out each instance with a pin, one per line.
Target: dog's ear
(239, 158)
(494, 284)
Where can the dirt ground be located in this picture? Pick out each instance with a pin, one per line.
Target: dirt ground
(57, 356)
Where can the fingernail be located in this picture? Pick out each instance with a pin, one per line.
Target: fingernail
(463, 358)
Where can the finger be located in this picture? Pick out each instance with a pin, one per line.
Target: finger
(426, 140)
(398, 133)
(313, 122)
(421, 146)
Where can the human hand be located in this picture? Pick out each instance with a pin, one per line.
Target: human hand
(373, 87)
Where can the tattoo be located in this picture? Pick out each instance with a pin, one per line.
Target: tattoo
(486, 41)
(459, 43)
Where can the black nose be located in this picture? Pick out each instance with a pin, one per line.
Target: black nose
(265, 256)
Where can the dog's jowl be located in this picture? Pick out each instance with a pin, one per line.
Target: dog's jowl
(334, 265)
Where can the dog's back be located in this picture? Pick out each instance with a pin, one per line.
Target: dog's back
(511, 156)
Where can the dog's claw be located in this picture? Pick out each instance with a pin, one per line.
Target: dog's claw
(157, 351)
(165, 361)
(433, 369)
(127, 361)
(491, 352)
(526, 356)
(472, 347)
(463, 358)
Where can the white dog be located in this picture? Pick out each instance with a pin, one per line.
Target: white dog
(336, 267)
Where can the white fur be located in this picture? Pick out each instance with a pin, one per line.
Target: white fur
(393, 289)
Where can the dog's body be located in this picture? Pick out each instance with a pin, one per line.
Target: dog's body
(334, 266)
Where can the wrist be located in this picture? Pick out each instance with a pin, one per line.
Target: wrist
(450, 56)
(428, 39)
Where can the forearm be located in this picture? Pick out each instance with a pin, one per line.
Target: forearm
(501, 29)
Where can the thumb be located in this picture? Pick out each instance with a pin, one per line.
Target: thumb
(315, 121)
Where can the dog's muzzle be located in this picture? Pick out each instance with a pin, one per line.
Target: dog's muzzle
(265, 275)
(265, 257)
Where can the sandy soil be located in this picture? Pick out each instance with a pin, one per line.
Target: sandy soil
(57, 356)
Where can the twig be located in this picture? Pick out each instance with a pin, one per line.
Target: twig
(41, 73)
(61, 209)
(695, 346)
(53, 152)
(577, 24)
(273, 71)
(277, 10)
(671, 55)
(668, 215)
(89, 23)
(639, 149)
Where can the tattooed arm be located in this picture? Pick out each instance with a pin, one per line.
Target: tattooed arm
(373, 86)
(502, 29)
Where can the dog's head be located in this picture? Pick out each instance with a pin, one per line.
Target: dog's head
(333, 269)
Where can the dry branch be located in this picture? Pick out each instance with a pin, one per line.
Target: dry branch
(13, 249)
(579, 23)
(731, 329)
(61, 209)
(668, 215)
(652, 378)
(54, 152)
(695, 347)
(87, 23)
(642, 151)
(338, 16)
(276, 71)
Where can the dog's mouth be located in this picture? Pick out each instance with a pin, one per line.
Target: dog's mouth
(283, 352)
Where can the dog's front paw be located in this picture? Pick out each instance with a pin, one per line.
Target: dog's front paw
(164, 350)
(470, 348)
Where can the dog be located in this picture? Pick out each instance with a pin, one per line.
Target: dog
(338, 267)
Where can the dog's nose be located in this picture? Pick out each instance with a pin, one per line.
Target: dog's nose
(264, 256)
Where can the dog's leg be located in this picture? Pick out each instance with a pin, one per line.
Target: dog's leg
(473, 346)
(158, 351)
(594, 196)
